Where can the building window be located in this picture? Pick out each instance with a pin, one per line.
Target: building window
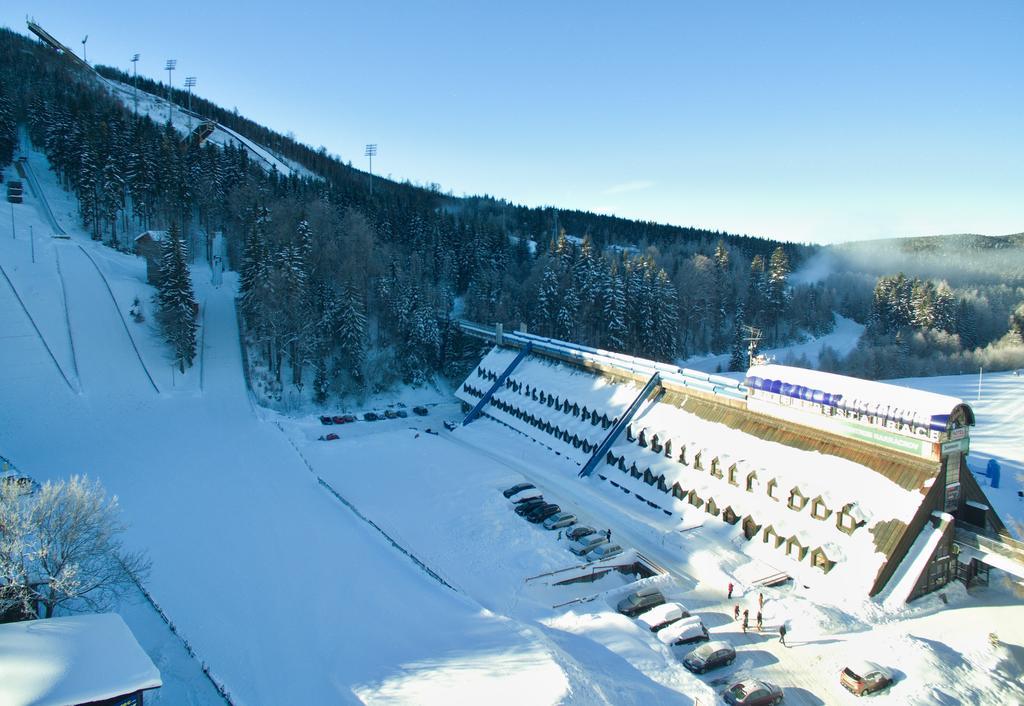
(797, 501)
(716, 470)
(732, 475)
(819, 510)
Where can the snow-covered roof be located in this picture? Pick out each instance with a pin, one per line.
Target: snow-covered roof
(905, 404)
(157, 235)
(73, 660)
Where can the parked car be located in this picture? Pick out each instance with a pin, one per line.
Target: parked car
(450, 426)
(524, 495)
(420, 411)
(542, 513)
(585, 544)
(390, 414)
(640, 601)
(752, 692)
(684, 632)
(710, 655)
(603, 551)
(330, 437)
(371, 417)
(663, 615)
(579, 532)
(402, 414)
(338, 419)
(862, 678)
(562, 519)
(517, 488)
(326, 420)
(346, 419)
(529, 506)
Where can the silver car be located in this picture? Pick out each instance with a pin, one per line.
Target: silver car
(586, 544)
(562, 519)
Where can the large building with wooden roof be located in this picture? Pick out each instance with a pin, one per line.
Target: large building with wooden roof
(833, 480)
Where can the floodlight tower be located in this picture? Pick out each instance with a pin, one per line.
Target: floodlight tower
(753, 338)
(85, 57)
(190, 82)
(371, 152)
(135, 81)
(169, 67)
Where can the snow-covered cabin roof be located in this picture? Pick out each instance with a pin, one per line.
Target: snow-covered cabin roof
(59, 661)
(156, 235)
(904, 404)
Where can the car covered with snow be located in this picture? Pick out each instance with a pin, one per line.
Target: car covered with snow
(640, 601)
(710, 655)
(752, 692)
(662, 616)
(559, 521)
(583, 545)
(517, 488)
(420, 411)
(687, 631)
(863, 677)
(603, 551)
(524, 495)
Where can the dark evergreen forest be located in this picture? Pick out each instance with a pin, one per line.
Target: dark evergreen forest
(349, 291)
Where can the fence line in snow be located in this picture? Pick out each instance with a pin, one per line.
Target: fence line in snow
(124, 323)
(67, 319)
(416, 560)
(36, 328)
(217, 684)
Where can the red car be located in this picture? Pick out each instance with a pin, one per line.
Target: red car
(863, 678)
(330, 437)
(752, 692)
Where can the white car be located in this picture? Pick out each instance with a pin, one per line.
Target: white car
(603, 551)
(586, 544)
(684, 632)
(663, 615)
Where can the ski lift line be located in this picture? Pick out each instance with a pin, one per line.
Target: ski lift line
(38, 332)
(127, 331)
(67, 319)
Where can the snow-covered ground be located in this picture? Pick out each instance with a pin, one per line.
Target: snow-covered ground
(386, 567)
(842, 340)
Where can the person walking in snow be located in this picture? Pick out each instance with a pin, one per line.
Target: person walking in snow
(736, 612)
(730, 590)
(744, 621)
(608, 534)
(759, 621)
(760, 601)
(782, 634)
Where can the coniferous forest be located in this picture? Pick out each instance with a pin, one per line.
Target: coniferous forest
(345, 291)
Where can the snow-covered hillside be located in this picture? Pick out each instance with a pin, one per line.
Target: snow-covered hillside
(385, 566)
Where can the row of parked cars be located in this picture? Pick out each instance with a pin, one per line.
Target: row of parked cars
(418, 410)
(675, 626)
(584, 541)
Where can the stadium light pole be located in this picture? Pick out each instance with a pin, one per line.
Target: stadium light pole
(85, 56)
(135, 81)
(371, 151)
(190, 82)
(169, 67)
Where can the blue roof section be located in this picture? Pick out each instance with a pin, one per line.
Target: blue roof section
(890, 402)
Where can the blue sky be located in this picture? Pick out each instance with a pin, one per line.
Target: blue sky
(804, 121)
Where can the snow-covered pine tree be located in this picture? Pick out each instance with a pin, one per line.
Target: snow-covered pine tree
(8, 128)
(738, 352)
(778, 272)
(615, 312)
(177, 301)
